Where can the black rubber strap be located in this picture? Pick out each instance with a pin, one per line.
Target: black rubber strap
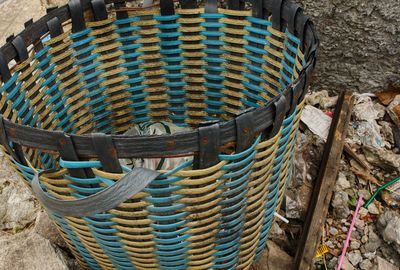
(258, 9)
(297, 92)
(50, 9)
(99, 10)
(311, 42)
(39, 28)
(167, 7)
(280, 112)
(105, 149)
(10, 38)
(293, 11)
(16, 150)
(5, 73)
(211, 6)
(290, 98)
(188, 4)
(245, 131)
(236, 4)
(135, 147)
(55, 28)
(76, 11)
(121, 14)
(4, 141)
(277, 14)
(303, 21)
(20, 153)
(20, 48)
(209, 144)
(67, 152)
(109, 198)
(307, 79)
(28, 23)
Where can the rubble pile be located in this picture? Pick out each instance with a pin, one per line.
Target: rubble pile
(371, 159)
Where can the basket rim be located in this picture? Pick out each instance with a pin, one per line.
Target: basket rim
(184, 143)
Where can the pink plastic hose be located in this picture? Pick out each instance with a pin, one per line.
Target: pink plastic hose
(353, 222)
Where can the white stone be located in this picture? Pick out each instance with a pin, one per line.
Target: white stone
(372, 209)
(382, 264)
(342, 183)
(18, 206)
(354, 257)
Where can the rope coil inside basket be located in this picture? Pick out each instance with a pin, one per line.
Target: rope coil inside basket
(74, 82)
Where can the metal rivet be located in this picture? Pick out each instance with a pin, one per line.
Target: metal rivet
(112, 152)
(204, 140)
(13, 132)
(171, 145)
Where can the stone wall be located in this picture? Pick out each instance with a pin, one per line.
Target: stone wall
(360, 43)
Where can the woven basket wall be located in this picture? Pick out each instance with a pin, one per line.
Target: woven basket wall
(75, 81)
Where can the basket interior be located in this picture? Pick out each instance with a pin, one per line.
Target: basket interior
(186, 68)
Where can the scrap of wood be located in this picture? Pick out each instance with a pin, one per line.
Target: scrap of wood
(366, 176)
(352, 154)
(324, 184)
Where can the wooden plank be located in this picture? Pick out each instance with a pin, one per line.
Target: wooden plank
(324, 184)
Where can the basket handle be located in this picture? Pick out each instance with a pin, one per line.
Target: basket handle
(109, 198)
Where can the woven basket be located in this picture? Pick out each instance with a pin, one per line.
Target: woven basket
(75, 81)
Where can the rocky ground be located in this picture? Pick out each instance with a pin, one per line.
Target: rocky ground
(373, 138)
(28, 238)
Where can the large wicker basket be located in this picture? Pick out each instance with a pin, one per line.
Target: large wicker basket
(75, 81)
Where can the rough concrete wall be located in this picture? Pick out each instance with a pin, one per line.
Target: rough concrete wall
(360, 43)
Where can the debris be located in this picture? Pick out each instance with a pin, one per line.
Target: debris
(386, 185)
(364, 109)
(380, 109)
(355, 245)
(273, 259)
(373, 243)
(366, 265)
(278, 235)
(321, 251)
(382, 264)
(354, 257)
(324, 184)
(394, 110)
(340, 204)
(387, 132)
(386, 97)
(365, 175)
(317, 121)
(328, 102)
(372, 209)
(155, 128)
(333, 231)
(396, 135)
(347, 265)
(342, 183)
(389, 200)
(18, 206)
(361, 161)
(315, 98)
(282, 218)
(366, 133)
(388, 225)
(382, 158)
(292, 208)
